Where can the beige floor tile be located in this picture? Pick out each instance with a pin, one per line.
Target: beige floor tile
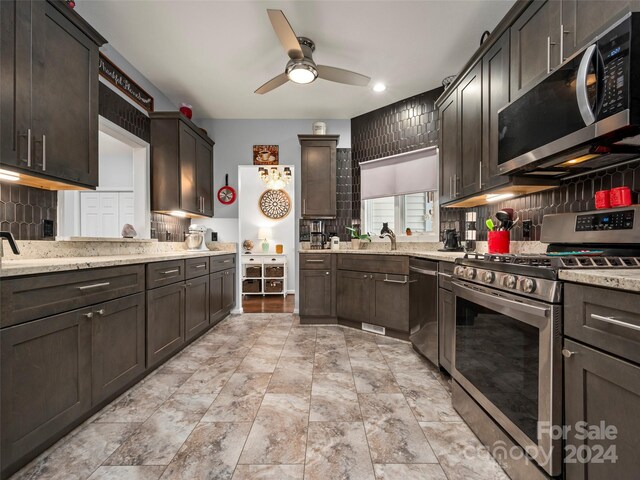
(399, 471)
(127, 473)
(269, 472)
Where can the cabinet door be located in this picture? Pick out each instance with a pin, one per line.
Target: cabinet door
(197, 306)
(446, 329)
(584, 19)
(315, 293)
(15, 78)
(470, 121)
(390, 301)
(229, 289)
(204, 156)
(188, 141)
(495, 88)
(319, 179)
(216, 281)
(353, 295)
(117, 338)
(449, 147)
(535, 45)
(65, 98)
(601, 389)
(46, 380)
(165, 322)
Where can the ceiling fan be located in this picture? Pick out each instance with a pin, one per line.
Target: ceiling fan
(301, 68)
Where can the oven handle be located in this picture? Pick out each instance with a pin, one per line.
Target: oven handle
(423, 271)
(499, 304)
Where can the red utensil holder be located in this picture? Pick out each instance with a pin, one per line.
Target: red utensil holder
(499, 241)
(620, 197)
(603, 199)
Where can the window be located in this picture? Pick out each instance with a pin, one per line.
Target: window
(417, 211)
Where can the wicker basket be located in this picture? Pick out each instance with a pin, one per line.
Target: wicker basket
(273, 286)
(274, 271)
(251, 286)
(254, 271)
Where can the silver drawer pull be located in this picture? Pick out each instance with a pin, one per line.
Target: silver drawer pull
(88, 315)
(101, 311)
(613, 321)
(226, 261)
(95, 285)
(388, 280)
(170, 271)
(314, 261)
(568, 353)
(202, 265)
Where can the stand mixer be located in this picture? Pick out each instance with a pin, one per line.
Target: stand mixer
(196, 238)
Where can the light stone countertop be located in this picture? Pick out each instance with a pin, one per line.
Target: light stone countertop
(430, 254)
(33, 266)
(618, 278)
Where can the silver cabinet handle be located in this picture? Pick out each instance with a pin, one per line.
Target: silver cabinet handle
(95, 285)
(613, 321)
(44, 153)
(227, 261)
(548, 54)
(366, 276)
(562, 34)
(304, 205)
(327, 273)
(480, 177)
(28, 135)
(314, 261)
(202, 265)
(170, 271)
(88, 315)
(568, 353)
(581, 86)
(402, 282)
(101, 311)
(423, 271)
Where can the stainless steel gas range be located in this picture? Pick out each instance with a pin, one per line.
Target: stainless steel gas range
(508, 333)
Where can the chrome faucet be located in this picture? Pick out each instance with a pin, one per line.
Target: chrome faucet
(387, 232)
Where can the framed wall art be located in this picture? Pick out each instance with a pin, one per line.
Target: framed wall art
(265, 155)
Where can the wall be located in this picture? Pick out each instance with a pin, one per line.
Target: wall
(22, 210)
(115, 163)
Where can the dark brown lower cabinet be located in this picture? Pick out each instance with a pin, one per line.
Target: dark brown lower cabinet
(165, 322)
(229, 289)
(601, 388)
(222, 294)
(46, 381)
(315, 293)
(446, 328)
(197, 306)
(353, 295)
(390, 301)
(117, 356)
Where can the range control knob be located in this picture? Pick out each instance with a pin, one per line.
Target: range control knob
(510, 281)
(489, 277)
(528, 285)
(458, 271)
(470, 273)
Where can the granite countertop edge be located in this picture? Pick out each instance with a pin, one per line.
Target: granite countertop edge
(618, 279)
(35, 266)
(429, 255)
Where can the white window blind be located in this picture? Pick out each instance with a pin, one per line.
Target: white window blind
(406, 173)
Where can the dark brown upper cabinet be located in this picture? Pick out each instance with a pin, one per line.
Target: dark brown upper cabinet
(449, 148)
(319, 175)
(495, 95)
(49, 96)
(535, 45)
(470, 127)
(181, 166)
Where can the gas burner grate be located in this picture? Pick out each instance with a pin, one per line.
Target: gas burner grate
(598, 262)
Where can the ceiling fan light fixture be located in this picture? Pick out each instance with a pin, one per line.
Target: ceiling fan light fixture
(379, 87)
(302, 72)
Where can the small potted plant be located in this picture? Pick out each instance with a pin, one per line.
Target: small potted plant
(357, 238)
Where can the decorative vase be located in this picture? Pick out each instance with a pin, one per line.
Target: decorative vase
(265, 247)
(355, 243)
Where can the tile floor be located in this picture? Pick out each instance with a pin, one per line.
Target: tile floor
(261, 397)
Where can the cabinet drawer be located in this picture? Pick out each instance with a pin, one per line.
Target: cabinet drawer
(222, 262)
(374, 263)
(607, 319)
(320, 261)
(196, 267)
(445, 270)
(37, 296)
(160, 274)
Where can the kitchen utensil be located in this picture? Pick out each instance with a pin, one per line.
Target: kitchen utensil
(508, 211)
(504, 219)
(498, 241)
(490, 225)
(602, 198)
(620, 197)
(513, 223)
(451, 239)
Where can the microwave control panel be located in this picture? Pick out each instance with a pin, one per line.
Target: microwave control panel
(614, 49)
(622, 220)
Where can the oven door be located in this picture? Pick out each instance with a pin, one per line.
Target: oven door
(507, 356)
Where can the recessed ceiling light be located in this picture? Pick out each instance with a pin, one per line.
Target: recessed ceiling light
(379, 87)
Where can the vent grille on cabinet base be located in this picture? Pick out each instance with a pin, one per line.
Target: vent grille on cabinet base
(367, 327)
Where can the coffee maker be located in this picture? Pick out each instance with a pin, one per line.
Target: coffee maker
(451, 240)
(317, 236)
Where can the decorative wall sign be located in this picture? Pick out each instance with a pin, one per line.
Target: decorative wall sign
(121, 80)
(275, 204)
(265, 155)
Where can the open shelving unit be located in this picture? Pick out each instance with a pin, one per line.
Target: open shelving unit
(264, 274)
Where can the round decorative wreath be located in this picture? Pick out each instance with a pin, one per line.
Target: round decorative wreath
(275, 204)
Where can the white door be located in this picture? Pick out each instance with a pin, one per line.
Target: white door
(126, 210)
(110, 212)
(90, 222)
(103, 214)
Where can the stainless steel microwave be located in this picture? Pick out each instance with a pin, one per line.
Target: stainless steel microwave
(584, 115)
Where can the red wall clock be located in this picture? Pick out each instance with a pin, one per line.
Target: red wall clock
(227, 194)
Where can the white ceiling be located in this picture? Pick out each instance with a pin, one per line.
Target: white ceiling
(214, 54)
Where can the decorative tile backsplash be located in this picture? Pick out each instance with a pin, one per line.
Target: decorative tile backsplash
(403, 126)
(115, 108)
(574, 195)
(23, 210)
(167, 228)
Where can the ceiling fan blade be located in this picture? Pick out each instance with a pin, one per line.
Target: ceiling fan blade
(285, 34)
(275, 82)
(340, 75)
